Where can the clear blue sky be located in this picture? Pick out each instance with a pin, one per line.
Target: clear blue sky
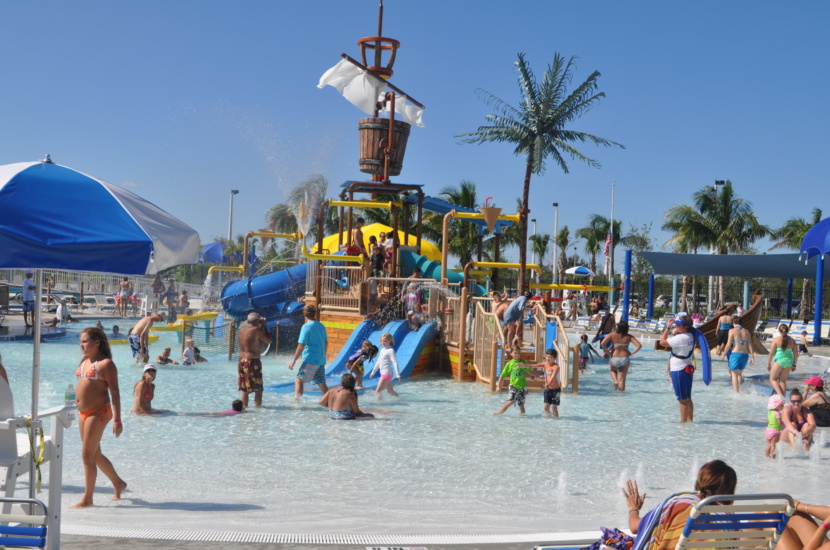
(183, 101)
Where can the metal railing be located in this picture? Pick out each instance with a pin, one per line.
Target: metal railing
(341, 287)
(561, 344)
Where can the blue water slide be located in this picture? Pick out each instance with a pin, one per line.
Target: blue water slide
(430, 269)
(409, 345)
(273, 296)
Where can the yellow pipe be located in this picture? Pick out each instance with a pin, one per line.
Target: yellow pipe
(237, 269)
(278, 261)
(331, 257)
(476, 216)
(573, 287)
(366, 204)
(498, 265)
(272, 235)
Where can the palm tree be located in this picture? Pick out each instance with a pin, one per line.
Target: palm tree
(563, 241)
(790, 236)
(537, 127)
(719, 219)
(539, 246)
(463, 234)
(282, 218)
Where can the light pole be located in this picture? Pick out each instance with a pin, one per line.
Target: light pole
(555, 245)
(230, 216)
(711, 251)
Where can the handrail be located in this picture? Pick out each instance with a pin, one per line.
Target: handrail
(272, 235)
(507, 265)
(331, 257)
(562, 286)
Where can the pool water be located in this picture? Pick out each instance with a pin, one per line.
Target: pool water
(434, 461)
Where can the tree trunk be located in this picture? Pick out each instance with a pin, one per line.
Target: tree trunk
(685, 288)
(721, 293)
(521, 285)
(804, 288)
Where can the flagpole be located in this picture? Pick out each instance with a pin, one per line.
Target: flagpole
(612, 301)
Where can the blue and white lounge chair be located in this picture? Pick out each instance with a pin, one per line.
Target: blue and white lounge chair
(19, 530)
(750, 521)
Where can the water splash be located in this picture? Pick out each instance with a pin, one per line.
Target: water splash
(624, 477)
(639, 477)
(694, 469)
(561, 483)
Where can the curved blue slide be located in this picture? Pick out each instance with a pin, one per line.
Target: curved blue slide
(272, 296)
(408, 348)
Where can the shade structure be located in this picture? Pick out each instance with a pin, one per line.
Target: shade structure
(580, 270)
(817, 239)
(374, 230)
(54, 217)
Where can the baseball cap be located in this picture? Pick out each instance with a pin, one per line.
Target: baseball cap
(815, 381)
(150, 367)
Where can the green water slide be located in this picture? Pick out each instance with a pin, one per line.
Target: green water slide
(431, 269)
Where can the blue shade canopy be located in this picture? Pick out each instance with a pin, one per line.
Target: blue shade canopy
(817, 239)
(54, 217)
(213, 252)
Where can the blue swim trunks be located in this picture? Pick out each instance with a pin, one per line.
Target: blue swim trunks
(135, 344)
(310, 373)
(681, 381)
(28, 306)
(738, 361)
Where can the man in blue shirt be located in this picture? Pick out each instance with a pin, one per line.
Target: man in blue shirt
(513, 317)
(313, 345)
(29, 299)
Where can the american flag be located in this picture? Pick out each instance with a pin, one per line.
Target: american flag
(608, 244)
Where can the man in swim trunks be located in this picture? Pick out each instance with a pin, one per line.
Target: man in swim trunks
(313, 346)
(139, 337)
(682, 346)
(250, 366)
(740, 344)
(513, 318)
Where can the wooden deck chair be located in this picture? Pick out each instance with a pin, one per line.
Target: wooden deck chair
(751, 521)
(21, 530)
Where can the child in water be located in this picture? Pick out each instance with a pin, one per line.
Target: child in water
(585, 350)
(517, 368)
(553, 388)
(385, 361)
(144, 391)
(164, 358)
(774, 424)
(342, 402)
(357, 361)
(189, 354)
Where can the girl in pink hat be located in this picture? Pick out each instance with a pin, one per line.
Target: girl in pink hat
(774, 424)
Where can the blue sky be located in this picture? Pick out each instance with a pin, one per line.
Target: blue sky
(183, 101)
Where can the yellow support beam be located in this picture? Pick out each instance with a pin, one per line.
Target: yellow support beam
(237, 269)
(366, 204)
(272, 235)
(500, 265)
(476, 216)
(331, 257)
(597, 288)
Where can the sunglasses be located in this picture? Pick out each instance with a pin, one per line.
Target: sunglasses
(796, 400)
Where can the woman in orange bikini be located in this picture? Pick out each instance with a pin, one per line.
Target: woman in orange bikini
(97, 384)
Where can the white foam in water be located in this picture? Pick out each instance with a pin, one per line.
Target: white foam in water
(434, 461)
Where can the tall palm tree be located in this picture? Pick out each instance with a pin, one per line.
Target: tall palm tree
(718, 219)
(790, 236)
(537, 127)
(563, 241)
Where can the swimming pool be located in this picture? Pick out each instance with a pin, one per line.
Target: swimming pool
(435, 460)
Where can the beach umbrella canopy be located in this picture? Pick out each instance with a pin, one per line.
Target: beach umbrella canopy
(54, 217)
(817, 239)
(580, 270)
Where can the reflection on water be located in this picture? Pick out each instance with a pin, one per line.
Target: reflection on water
(439, 462)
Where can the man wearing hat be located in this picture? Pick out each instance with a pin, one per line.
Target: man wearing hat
(313, 346)
(250, 366)
(29, 299)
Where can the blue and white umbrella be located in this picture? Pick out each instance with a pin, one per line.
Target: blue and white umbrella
(579, 270)
(53, 217)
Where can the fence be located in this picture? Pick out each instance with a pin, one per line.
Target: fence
(488, 339)
(340, 287)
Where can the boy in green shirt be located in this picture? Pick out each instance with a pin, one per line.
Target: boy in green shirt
(517, 369)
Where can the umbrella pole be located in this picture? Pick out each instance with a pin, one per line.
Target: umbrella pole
(35, 373)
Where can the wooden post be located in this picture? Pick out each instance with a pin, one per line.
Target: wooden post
(575, 370)
(548, 305)
(81, 304)
(462, 330)
(494, 350)
(277, 338)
